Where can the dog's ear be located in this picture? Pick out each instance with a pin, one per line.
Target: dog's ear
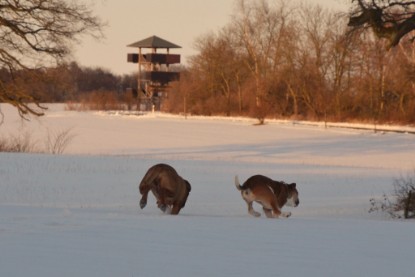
(188, 186)
(293, 185)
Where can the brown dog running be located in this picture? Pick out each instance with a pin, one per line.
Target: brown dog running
(170, 190)
(272, 195)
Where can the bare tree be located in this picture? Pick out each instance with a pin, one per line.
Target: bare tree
(260, 28)
(389, 19)
(221, 65)
(262, 31)
(35, 34)
(298, 62)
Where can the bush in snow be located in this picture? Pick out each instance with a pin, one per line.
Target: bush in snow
(18, 143)
(56, 143)
(23, 142)
(401, 204)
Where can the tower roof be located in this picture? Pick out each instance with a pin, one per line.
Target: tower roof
(153, 42)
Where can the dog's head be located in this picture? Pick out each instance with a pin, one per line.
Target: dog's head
(292, 200)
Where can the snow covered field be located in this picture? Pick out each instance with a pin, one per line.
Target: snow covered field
(77, 214)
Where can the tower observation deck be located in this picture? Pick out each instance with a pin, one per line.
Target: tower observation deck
(154, 72)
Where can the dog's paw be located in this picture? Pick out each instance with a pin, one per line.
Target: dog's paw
(254, 213)
(168, 210)
(162, 207)
(286, 214)
(143, 204)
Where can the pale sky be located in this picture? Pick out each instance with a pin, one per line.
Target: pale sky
(178, 21)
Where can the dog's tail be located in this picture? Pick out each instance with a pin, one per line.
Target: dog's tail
(237, 184)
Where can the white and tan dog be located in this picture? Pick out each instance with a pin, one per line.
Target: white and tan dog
(272, 195)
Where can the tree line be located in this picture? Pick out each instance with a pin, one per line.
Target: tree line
(301, 62)
(273, 59)
(68, 83)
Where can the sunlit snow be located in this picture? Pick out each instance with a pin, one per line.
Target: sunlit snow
(77, 214)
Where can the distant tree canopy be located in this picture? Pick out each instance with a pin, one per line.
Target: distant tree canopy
(35, 34)
(66, 82)
(273, 59)
(277, 59)
(389, 19)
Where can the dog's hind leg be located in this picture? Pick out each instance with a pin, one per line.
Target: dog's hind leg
(248, 197)
(147, 183)
(144, 189)
(143, 201)
(251, 210)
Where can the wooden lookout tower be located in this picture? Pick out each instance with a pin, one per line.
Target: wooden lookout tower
(154, 74)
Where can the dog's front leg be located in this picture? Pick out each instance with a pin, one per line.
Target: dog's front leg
(276, 211)
(285, 214)
(162, 206)
(175, 210)
(268, 212)
(161, 200)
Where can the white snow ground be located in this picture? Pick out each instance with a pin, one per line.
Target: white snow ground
(77, 214)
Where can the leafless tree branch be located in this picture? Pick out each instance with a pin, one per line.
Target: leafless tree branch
(37, 33)
(389, 19)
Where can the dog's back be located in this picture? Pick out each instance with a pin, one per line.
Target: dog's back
(159, 174)
(156, 173)
(253, 181)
